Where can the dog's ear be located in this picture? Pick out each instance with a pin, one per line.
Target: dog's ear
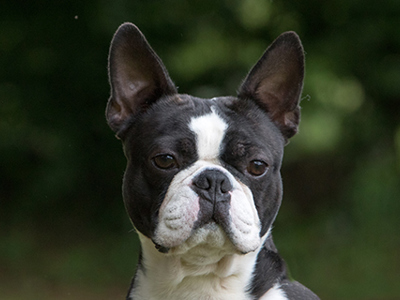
(276, 81)
(137, 76)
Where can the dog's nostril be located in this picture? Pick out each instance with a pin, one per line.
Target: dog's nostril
(202, 182)
(226, 186)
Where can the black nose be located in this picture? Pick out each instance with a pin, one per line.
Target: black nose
(212, 185)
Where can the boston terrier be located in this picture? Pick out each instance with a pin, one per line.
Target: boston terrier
(202, 185)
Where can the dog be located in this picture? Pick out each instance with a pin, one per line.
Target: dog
(202, 185)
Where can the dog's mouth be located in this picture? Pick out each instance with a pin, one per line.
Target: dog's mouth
(209, 234)
(207, 244)
(227, 229)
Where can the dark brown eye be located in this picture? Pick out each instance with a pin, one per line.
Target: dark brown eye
(257, 168)
(165, 161)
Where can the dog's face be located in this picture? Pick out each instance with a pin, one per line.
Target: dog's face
(194, 163)
(203, 173)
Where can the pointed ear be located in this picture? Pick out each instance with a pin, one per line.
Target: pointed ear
(276, 82)
(137, 76)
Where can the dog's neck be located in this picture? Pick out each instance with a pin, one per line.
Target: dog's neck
(219, 276)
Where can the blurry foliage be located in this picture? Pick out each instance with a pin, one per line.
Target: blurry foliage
(61, 168)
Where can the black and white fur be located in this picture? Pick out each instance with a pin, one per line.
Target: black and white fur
(202, 185)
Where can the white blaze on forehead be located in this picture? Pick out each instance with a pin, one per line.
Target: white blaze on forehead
(210, 130)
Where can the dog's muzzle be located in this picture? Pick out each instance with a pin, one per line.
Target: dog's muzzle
(202, 199)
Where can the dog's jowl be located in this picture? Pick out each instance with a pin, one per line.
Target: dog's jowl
(202, 185)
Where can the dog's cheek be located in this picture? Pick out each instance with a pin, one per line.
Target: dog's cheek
(136, 205)
(141, 198)
(268, 201)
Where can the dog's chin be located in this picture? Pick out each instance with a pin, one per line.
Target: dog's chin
(206, 245)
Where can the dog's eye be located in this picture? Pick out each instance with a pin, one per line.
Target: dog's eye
(257, 168)
(165, 161)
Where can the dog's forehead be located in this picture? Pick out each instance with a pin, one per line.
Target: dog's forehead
(185, 113)
(207, 123)
(209, 130)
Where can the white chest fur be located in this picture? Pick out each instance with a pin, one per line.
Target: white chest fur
(171, 277)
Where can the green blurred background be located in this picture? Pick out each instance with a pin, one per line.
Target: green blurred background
(64, 233)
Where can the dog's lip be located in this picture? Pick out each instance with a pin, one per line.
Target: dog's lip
(160, 248)
(212, 231)
(211, 226)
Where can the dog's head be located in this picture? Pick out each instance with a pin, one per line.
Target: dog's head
(203, 172)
